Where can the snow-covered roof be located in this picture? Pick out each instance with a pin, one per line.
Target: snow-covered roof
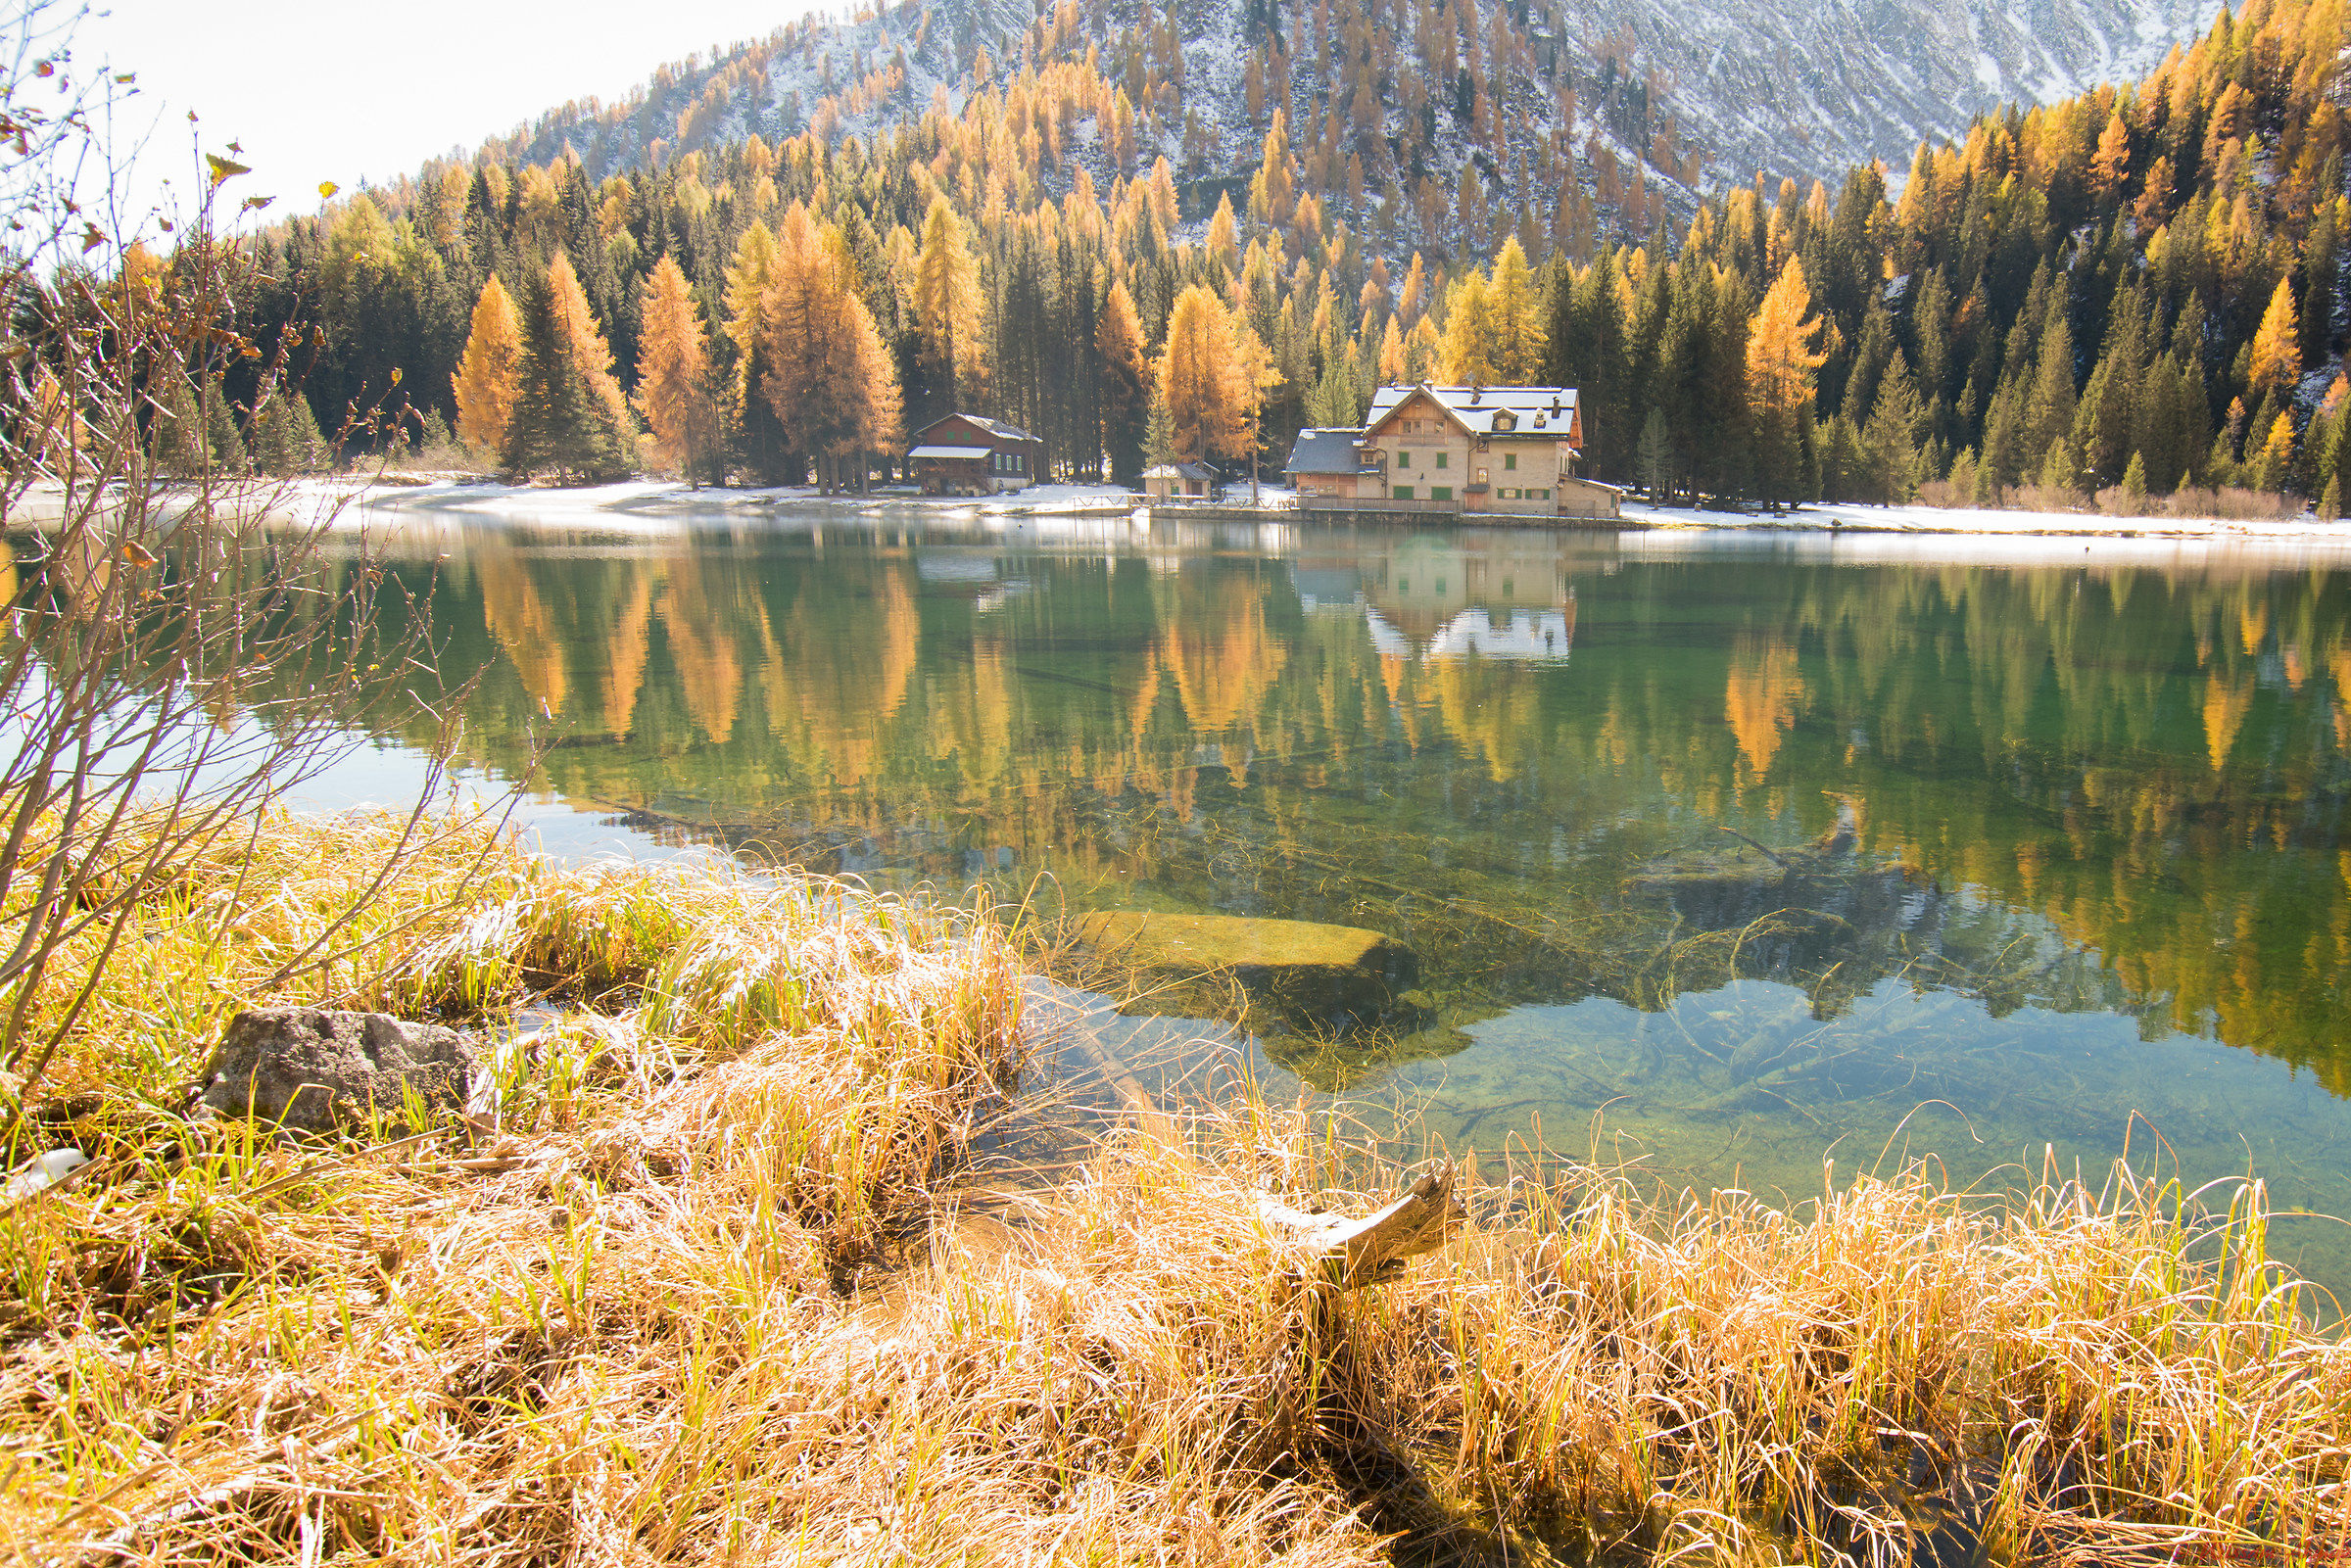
(1180, 471)
(994, 427)
(998, 428)
(1324, 452)
(1534, 410)
(949, 452)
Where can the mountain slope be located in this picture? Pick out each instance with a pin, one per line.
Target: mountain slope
(1674, 98)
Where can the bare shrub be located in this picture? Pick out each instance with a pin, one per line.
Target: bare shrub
(181, 646)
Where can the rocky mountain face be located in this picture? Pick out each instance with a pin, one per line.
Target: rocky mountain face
(1809, 87)
(1406, 115)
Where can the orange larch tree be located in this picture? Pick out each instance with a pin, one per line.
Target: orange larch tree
(674, 378)
(491, 370)
(830, 381)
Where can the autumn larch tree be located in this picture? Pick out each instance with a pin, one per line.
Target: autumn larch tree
(946, 310)
(489, 374)
(1520, 331)
(569, 417)
(1782, 359)
(1213, 375)
(674, 389)
(832, 385)
(2278, 345)
(1471, 343)
(759, 442)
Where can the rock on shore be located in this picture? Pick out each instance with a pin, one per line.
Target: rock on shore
(314, 1069)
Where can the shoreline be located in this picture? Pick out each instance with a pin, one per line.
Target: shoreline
(651, 500)
(726, 1219)
(353, 504)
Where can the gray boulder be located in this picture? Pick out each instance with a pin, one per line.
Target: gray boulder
(314, 1069)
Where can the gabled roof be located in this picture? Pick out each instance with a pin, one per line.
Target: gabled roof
(994, 427)
(1540, 411)
(1324, 452)
(1183, 470)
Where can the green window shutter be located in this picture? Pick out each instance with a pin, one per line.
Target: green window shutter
(1440, 492)
(1441, 456)
(1509, 460)
(1401, 492)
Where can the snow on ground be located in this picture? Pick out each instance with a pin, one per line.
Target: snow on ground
(659, 505)
(663, 502)
(1987, 521)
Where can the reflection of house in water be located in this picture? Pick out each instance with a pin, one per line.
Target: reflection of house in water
(1497, 596)
(1523, 636)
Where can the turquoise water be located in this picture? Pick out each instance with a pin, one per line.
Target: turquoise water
(1721, 858)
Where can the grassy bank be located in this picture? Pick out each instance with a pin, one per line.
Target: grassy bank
(708, 1288)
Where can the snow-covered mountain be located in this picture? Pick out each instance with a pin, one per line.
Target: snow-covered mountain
(1683, 94)
(1809, 87)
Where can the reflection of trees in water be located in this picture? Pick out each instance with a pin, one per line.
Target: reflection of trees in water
(2154, 763)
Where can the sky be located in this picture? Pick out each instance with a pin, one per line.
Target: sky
(329, 90)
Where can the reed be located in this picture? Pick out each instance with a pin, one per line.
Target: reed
(713, 1288)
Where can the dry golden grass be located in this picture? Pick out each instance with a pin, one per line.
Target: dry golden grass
(709, 1292)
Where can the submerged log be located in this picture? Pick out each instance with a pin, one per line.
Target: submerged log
(1370, 1250)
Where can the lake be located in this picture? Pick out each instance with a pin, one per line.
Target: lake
(1722, 856)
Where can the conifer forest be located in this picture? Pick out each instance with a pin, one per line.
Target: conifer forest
(2142, 286)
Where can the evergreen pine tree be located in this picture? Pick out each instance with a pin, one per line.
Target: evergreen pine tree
(1126, 392)
(1159, 435)
(220, 431)
(176, 437)
(562, 425)
(1655, 453)
(2059, 474)
(1892, 437)
(285, 436)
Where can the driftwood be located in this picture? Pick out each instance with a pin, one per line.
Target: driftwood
(1367, 1251)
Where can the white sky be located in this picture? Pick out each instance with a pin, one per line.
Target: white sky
(332, 90)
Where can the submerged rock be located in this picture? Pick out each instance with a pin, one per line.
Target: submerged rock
(1331, 975)
(314, 1070)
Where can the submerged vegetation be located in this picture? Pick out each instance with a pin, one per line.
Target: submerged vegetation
(718, 1281)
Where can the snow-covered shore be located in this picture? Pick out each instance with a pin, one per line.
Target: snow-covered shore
(662, 505)
(663, 501)
(666, 501)
(1986, 521)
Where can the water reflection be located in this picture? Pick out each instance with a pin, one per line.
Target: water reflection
(2089, 806)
